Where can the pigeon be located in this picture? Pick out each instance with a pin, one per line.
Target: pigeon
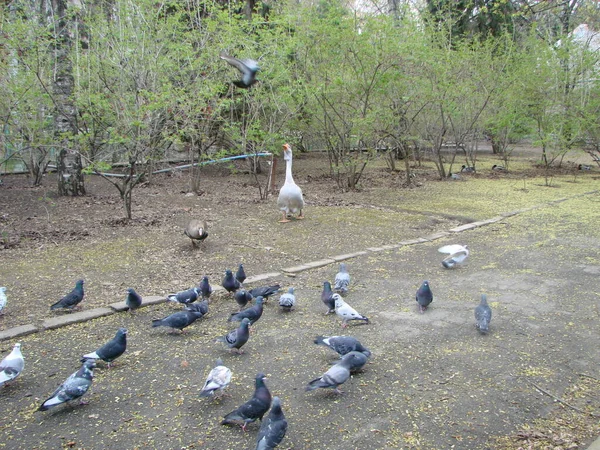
(196, 230)
(133, 300)
(358, 362)
(252, 314)
(12, 365)
(3, 300)
(336, 375)
(236, 339)
(185, 297)
(111, 350)
(247, 67)
(483, 315)
(72, 299)
(424, 296)
(253, 409)
(287, 301)
(204, 288)
(240, 275)
(265, 291)
(342, 344)
(466, 169)
(242, 297)
(178, 320)
(584, 167)
(458, 255)
(230, 284)
(498, 168)
(218, 379)
(342, 280)
(272, 431)
(346, 312)
(327, 297)
(200, 307)
(73, 387)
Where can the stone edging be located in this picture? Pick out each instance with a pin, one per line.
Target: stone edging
(83, 316)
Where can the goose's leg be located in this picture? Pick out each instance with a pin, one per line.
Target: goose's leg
(300, 216)
(284, 219)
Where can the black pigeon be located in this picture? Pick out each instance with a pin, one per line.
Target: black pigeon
(230, 284)
(247, 67)
(252, 314)
(111, 350)
(327, 297)
(72, 299)
(264, 291)
(483, 315)
(134, 300)
(336, 375)
(424, 296)
(200, 307)
(242, 297)
(253, 409)
(185, 297)
(205, 288)
(73, 387)
(178, 320)
(272, 431)
(240, 275)
(236, 339)
(342, 344)
(358, 362)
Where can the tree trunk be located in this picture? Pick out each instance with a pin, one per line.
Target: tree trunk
(70, 175)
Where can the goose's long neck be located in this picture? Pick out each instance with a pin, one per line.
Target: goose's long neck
(288, 171)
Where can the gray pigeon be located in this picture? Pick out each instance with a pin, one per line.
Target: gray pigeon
(336, 375)
(200, 307)
(240, 275)
(72, 299)
(178, 320)
(253, 409)
(342, 344)
(247, 67)
(12, 365)
(3, 300)
(458, 255)
(196, 230)
(230, 284)
(483, 315)
(342, 280)
(358, 362)
(185, 297)
(236, 339)
(205, 288)
(287, 301)
(111, 350)
(327, 297)
(218, 379)
(347, 312)
(133, 300)
(272, 431)
(73, 387)
(252, 314)
(424, 296)
(242, 297)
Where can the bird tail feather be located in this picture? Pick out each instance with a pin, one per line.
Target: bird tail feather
(156, 323)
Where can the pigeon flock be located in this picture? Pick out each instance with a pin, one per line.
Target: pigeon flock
(353, 355)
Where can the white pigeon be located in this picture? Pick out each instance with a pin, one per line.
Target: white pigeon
(218, 379)
(346, 312)
(11, 366)
(2, 300)
(458, 254)
(342, 280)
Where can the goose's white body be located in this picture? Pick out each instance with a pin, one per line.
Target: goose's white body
(290, 199)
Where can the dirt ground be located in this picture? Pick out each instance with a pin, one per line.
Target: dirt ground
(432, 383)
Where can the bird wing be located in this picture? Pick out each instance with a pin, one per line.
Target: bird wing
(452, 248)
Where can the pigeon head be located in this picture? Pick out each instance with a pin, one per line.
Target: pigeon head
(259, 300)
(260, 378)
(276, 405)
(245, 322)
(79, 283)
(89, 364)
(2, 289)
(339, 301)
(131, 290)
(122, 331)
(17, 346)
(327, 285)
(343, 267)
(291, 290)
(228, 273)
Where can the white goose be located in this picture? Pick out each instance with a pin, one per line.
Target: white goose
(290, 199)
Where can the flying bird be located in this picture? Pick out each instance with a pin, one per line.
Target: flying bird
(3, 300)
(247, 67)
(342, 345)
(230, 284)
(252, 314)
(424, 296)
(204, 288)
(272, 430)
(12, 365)
(253, 409)
(327, 297)
(73, 387)
(111, 350)
(483, 315)
(218, 379)
(287, 301)
(236, 339)
(196, 230)
(242, 297)
(133, 300)
(185, 297)
(290, 200)
(458, 255)
(342, 280)
(336, 375)
(72, 299)
(240, 275)
(346, 312)
(178, 320)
